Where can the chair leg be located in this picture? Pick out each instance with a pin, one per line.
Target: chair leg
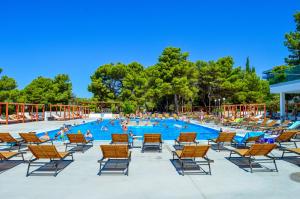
(209, 169)
(66, 147)
(182, 168)
(100, 168)
(56, 168)
(27, 173)
(230, 154)
(22, 157)
(127, 170)
(276, 169)
(283, 153)
(250, 164)
(295, 145)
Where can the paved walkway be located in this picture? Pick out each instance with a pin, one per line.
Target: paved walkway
(151, 175)
(40, 126)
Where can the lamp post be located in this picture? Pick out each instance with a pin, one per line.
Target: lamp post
(223, 103)
(215, 107)
(219, 107)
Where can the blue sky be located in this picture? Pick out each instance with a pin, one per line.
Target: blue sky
(47, 37)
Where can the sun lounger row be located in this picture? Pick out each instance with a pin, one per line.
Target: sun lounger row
(119, 150)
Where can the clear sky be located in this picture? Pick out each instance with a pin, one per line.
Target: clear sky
(47, 37)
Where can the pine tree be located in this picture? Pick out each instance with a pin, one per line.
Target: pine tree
(248, 70)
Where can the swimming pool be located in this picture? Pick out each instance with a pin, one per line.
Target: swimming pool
(169, 128)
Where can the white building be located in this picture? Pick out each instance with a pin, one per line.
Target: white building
(284, 88)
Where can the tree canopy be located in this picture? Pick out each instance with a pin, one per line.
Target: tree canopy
(8, 88)
(175, 81)
(46, 90)
(292, 42)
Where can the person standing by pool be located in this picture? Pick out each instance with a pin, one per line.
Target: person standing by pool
(201, 116)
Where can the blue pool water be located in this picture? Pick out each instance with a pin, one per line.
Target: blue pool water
(169, 128)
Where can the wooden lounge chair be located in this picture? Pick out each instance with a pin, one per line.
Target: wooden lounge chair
(268, 126)
(32, 138)
(115, 153)
(78, 140)
(291, 150)
(151, 141)
(188, 155)
(120, 139)
(224, 137)
(186, 138)
(10, 140)
(256, 125)
(46, 152)
(254, 151)
(252, 139)
(287, 136)
(6, 155)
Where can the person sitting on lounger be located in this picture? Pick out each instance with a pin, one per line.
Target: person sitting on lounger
(45, 136)
(88, 134)
(59, 133)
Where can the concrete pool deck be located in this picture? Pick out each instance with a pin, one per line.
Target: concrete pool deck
(151, 175)
(40, 126)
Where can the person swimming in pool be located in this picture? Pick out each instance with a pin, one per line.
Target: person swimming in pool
(104, 128)
(124, 128)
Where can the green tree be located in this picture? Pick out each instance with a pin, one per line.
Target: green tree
(292, 42)
(8, 88)
(46, 90)
(248, 68)
(173, 80)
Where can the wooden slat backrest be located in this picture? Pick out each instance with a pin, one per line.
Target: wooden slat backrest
(114, 151)
(76, 138)
(152, 138)
(225, 137)
(119, 137)
(30, 137)
(187, 137)
(272, 123)
(286, 136)
(253, 139)
(260, 149)
(6, 137)
(44, 151)
(286, 122)
(194, 151)
(264, 122)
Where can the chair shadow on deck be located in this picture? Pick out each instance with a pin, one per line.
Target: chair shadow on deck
(192, 169)
(243, 163)
(114, 166)
(82, 149)
(292, 159)
(48, 168)
(221, 147)
(13, 148)
(6, 165)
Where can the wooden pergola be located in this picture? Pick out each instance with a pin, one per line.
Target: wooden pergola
(244, 110)
(24, 112)
(68, 112)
